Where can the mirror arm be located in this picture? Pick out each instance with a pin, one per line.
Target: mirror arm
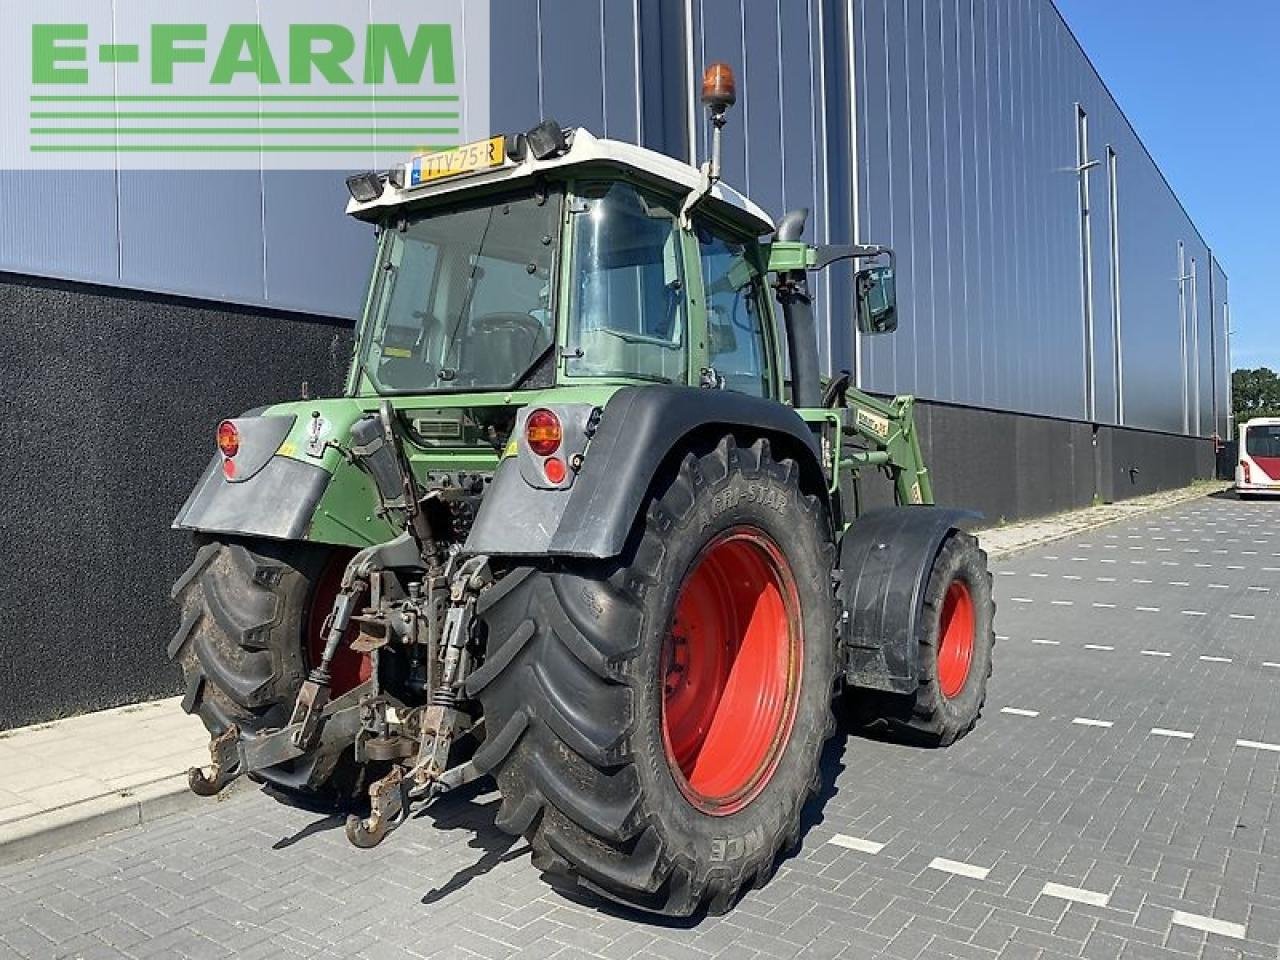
(827, 254)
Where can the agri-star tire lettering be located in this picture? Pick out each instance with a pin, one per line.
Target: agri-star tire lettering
(246, 608)
(956, 641)
(593, 738)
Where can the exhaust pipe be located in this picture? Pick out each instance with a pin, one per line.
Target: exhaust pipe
(792, 288)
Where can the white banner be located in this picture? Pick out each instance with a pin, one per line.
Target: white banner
(239, 84)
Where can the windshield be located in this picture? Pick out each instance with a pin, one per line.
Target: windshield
(462, 298)
(1262, 441)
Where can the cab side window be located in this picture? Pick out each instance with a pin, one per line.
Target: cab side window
(737, 348)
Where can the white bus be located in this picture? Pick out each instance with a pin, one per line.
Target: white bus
(1258, 470)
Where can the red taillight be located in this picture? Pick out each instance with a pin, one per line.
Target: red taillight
(228, 438)
(229, 469)
(555, 470)
(542, 431)
(1248, 474)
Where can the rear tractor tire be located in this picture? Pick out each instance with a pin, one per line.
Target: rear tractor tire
(251, 613)
(956, 640)
(655, 721)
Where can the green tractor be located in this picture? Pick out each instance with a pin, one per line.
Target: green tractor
(572, 527)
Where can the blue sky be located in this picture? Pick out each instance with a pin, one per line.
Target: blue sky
(1201, 84)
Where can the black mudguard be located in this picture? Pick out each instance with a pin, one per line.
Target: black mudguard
(638, 429)
(885, 561)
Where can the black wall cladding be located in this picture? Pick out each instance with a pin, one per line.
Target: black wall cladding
(110, 400)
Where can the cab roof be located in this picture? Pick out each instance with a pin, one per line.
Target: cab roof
(584, 149)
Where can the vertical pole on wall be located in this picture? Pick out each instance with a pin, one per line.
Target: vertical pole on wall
(1117, 338)
(1083, 166)
(856, 186)
(1182, 332)
(691, 85)
(1195, 345)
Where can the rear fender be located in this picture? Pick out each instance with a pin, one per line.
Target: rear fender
(886, 557)
(639, 429)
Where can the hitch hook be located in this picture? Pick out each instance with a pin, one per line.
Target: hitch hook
(224, 767)
(388, 808)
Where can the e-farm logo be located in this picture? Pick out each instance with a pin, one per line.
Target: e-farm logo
(327, 89)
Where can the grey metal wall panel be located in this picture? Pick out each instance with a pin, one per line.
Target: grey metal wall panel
(327, 278)
(1221, 352)
(59, 225)
(194, 233)
(515, 101)
(572, 55)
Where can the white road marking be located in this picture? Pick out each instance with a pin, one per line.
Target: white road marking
(1063, 603)
(856, 843)
(1105, 579)
(1007, 573)
(1019, 712)
(1195, 613)
(1105, 606)
(1204, 566)
(1170, 563)
(1097, 646)
(1075, 894)
(1136, 580)
(1022, 600)
(1259, 745)
(1147, 609)
(1242, 616)
(1219, 586)
(1261, 589)
(1216, 659)
(1051, 556)
(1268, 663)
(1039, 575)
(959, 868)
(1140, 563)
(1209, 924)
(1106, 561)
(1087, 722)
(1234, 566)
(1179, 583)
(1047, 643)
(1070, 576)
(1271, 569)
(1001, 636)
(1177, 734)
(1155, 653)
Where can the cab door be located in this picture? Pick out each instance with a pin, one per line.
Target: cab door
(741, 351)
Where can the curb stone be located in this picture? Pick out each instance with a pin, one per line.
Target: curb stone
(89, 819)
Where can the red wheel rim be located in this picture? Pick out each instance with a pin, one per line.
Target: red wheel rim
(955, 643)
(731, 667)
(349, 669)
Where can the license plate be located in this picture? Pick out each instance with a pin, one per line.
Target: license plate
(468, 158)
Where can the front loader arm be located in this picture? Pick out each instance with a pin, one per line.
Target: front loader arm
(888, 430)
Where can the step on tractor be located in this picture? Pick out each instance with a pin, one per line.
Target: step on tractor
(586, 521)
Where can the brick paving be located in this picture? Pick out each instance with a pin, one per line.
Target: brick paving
(1120, 799)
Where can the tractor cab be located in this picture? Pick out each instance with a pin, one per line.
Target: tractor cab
(556, 258)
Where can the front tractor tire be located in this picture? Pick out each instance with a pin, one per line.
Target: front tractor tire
(655, 722)
(956, 641)
(250, 616)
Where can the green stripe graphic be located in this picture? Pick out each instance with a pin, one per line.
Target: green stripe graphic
(239, 115)
(245, 131)
(228, 98)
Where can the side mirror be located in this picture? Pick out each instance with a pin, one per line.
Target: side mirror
(877, 300)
